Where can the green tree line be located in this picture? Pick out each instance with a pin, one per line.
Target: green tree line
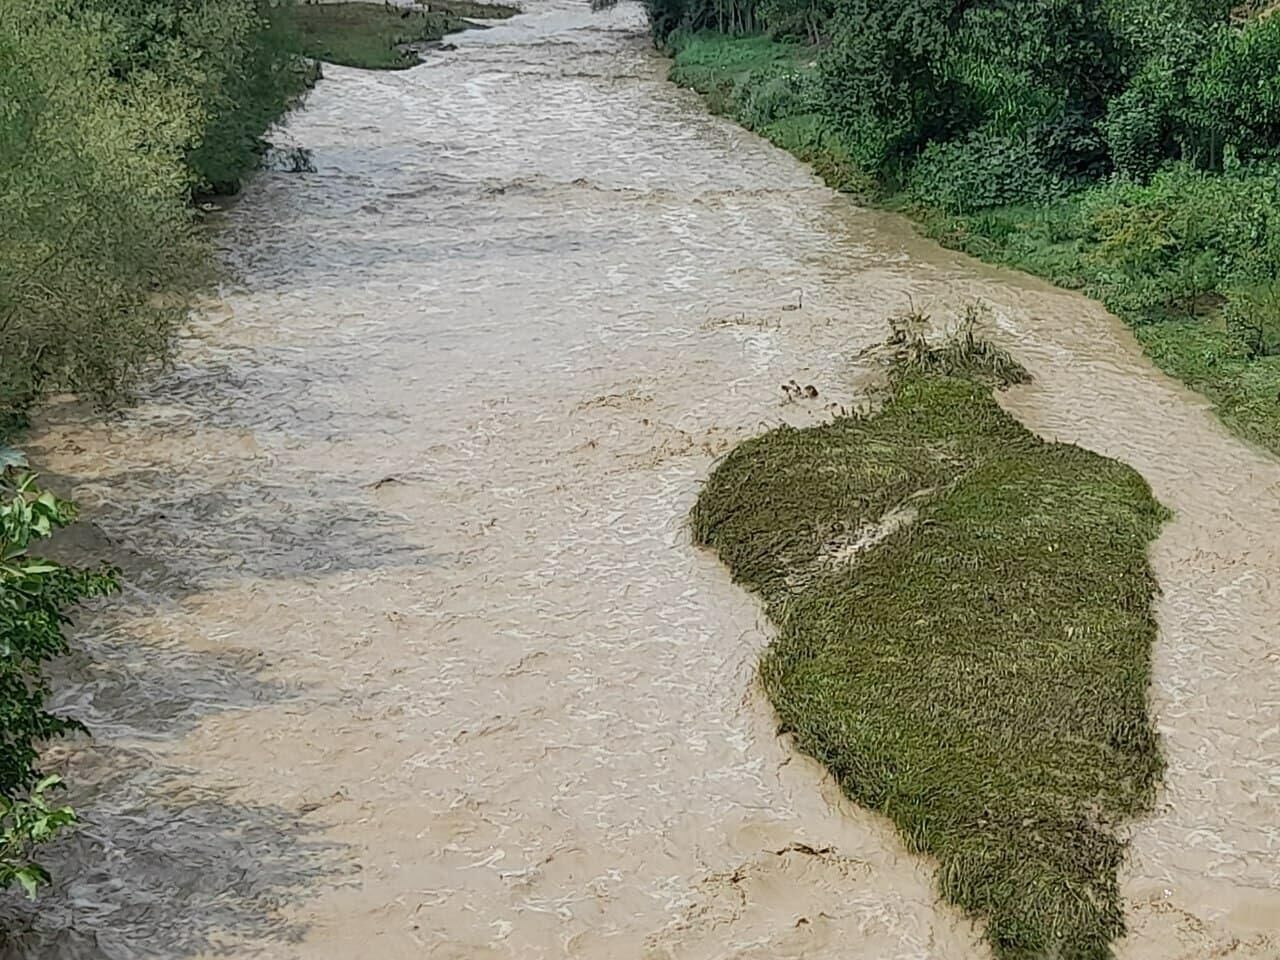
(1036, 94)
(114, 114)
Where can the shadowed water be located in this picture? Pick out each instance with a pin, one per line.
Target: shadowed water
(415, 657)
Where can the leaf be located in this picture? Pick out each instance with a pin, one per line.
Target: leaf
(31, 877)
(53, 780)
(11, 457)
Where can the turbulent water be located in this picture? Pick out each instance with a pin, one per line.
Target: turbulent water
(415, 658)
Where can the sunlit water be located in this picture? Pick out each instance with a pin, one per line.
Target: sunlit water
(416, 659)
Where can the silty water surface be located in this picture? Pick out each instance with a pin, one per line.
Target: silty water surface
(416, 659)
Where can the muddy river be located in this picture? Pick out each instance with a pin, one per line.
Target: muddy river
(415, 658)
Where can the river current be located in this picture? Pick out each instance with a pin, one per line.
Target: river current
(415, 658)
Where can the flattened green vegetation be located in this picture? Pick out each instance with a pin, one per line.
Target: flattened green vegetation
(372, 35)
(977, 668)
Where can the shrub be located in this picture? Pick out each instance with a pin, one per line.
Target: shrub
(774, 96)
(980, 171)
(34, 597)
(1253, 315)
(112, 113)
(24, 826)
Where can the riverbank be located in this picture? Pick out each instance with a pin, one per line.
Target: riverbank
(100, 167)
(103, 170)
(1185, 260)
(374, 36)
(417, 636)
(998, 717)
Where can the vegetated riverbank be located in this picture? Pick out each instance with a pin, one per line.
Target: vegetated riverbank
(1181, 239)
(114, 118)
(374, 36)
(965, 631)
(116, 115)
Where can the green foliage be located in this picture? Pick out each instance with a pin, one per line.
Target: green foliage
(962, 353)
(668, 17)
(964, 633)
(372, 36)
(25, 825)
(982, 170)
(35, 595)
(769, 96)
(1235, 92)
(1188, 259)
(979, 103)
(112, 114)
(802, 19)
(1253, 315)
(771, 87)
(1187, 254)
(904, 74)
(880, 81)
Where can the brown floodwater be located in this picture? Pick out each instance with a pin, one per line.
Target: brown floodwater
(415, 657)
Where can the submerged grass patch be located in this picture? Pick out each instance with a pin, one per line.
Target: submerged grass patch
(964, 635)
(373, 36)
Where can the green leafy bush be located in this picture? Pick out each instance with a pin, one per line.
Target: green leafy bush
(112, 114)
(35, 595)
(772, 95)
(24, 826)
(1235, 91)
(980, 171)
(1253, 315)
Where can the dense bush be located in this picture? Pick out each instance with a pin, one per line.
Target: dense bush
(773, 95)
(1253, 315)
(981, 171)
(34, 597)
(1073, 89)
(113, 113)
